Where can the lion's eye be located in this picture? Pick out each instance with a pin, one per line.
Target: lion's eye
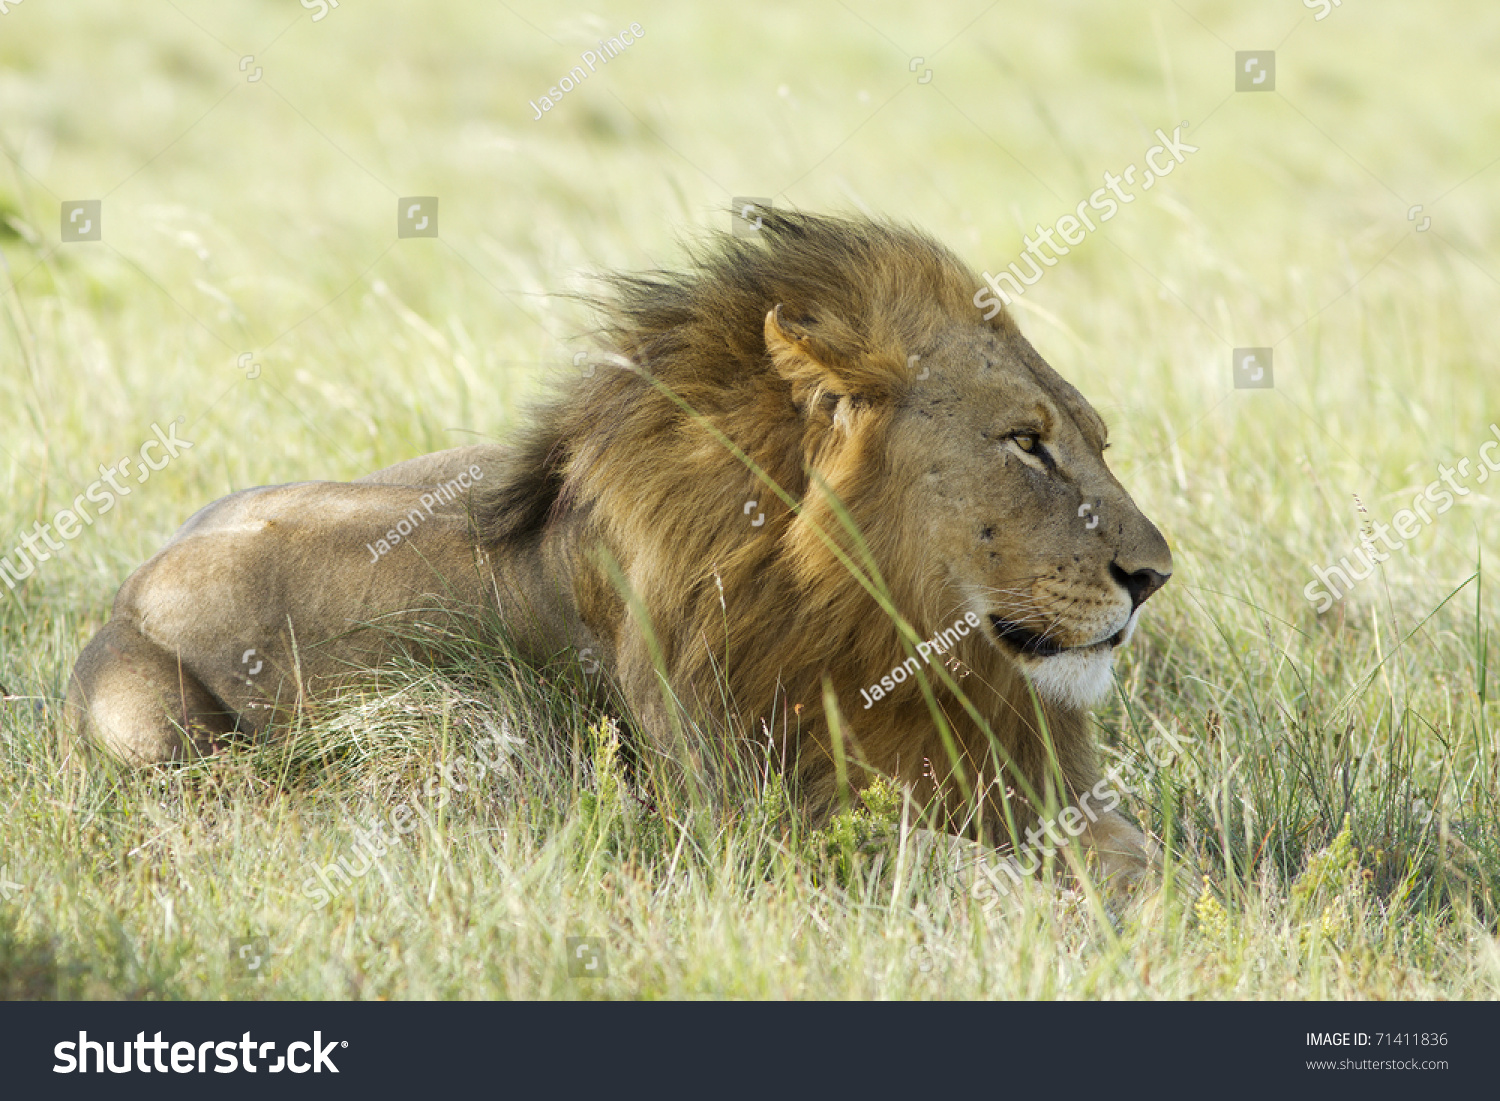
(1027, 441)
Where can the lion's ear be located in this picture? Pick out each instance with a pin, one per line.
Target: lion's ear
(820, 355)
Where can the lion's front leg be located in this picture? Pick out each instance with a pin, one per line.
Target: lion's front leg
(1118, 851)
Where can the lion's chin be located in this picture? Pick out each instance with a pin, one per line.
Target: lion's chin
(1075, 680)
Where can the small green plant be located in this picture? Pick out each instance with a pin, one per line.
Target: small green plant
(867, 829)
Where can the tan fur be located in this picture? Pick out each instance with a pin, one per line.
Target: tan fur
(830, 364)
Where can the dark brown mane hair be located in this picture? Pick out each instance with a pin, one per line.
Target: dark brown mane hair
(877, 288)
(640, 458)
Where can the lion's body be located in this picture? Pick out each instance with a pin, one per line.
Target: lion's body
(843, 362)
(270, 594)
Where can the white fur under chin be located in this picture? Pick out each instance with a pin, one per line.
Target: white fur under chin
(1073, 680)
(1080, 679)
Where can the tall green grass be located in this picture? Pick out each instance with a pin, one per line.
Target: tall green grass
(1337, 810)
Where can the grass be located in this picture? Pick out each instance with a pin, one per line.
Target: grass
(1340, 795)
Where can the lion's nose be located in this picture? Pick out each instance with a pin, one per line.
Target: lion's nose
(1140, 584)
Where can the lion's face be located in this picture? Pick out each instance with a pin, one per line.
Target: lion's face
(1014, 515)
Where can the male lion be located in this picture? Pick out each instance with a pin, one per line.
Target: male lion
(688, 513)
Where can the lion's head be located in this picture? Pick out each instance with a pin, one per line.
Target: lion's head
(993, 466)
(832, 377)
(977, 469)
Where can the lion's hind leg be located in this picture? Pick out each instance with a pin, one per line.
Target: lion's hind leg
(134, 699)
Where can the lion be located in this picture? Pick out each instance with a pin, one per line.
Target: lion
(805, 485)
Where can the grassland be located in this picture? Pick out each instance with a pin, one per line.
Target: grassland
(1340, 798)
